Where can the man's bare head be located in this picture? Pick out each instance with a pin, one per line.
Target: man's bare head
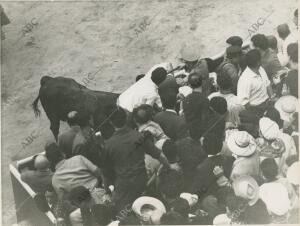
(41, 162)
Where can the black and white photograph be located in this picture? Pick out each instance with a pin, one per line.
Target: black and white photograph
(149, 112)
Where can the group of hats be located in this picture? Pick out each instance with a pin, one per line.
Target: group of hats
(276, 198)
(243, 144)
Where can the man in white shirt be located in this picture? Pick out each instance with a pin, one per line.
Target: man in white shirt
(144, 91)
(287, 38)
(254, 86)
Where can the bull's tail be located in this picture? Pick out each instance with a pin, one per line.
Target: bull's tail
(35, 107)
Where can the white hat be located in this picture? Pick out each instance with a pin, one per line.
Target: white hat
(241, 143)
(268, 128)
(286, 105)
(276, 198)
(221, 219)
(246, 187)
(185, 90)
(144, 207)
(293, 173)
(191, 198)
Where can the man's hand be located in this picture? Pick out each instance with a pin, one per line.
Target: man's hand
(218, 171)
(146, 135)
(175, 167)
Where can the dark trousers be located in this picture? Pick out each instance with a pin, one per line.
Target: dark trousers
(127, 190)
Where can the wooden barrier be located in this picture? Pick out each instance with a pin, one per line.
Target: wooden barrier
(26, 209)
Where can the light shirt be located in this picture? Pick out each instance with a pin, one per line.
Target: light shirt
(252, 88)
(144, 91)
(282, 50)
(74, 172)
(245, 166)
(154, 129)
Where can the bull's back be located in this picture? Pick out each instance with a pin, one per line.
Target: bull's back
(61, 95)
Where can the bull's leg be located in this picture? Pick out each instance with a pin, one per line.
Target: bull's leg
(54, 127)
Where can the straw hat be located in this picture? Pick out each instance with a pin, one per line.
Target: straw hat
(145, 207)
(246, 187)
(276, 198)
(221, 219)
(268, 128)
(286, 105)
(241, 143)
(191, 198)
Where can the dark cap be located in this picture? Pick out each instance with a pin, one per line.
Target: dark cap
(233, 51)
(235, 41)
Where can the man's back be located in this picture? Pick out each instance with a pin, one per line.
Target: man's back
(73, 172)
(190, 154)
(142, 92)
(168, 86)
(124, 156)
(172, 124)
(195, 108)
(205, 182)
(270, 63)
(37, 180)
(65, 140)
(227, 68)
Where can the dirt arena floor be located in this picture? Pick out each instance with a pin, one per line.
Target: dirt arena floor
(121, 39)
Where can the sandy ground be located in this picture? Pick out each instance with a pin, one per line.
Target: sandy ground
(73, 39)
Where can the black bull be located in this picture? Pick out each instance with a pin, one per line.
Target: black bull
(61, 95)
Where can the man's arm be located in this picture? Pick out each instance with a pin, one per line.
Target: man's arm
(243, 92)
(96, 171)
(153, 151)
(270, 91)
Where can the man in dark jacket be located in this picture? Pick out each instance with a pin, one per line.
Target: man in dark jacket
(195, 105)
(230, 66)
(124, 164)
(191, 154)
(205, 182)
(173, 125)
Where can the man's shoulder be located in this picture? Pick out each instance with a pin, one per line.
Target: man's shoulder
(128, 134)
(27, 174)
(165, 115)
(195, 96)
(214, 94)
(79, 139)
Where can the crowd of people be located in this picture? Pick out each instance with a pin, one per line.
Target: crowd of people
(211, 141)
